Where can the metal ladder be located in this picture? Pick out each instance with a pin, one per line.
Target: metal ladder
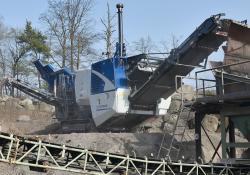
(177, 131)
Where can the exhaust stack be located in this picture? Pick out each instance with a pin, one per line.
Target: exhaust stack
(120, 29)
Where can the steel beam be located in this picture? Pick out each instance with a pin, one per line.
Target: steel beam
(223, 136)
(198, 149)
(232, 151)
(43, 155)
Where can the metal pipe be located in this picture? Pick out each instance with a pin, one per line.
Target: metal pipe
(120, 28)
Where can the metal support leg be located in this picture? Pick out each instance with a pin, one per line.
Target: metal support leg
(223, 137)
(232, 138)
(198, 149)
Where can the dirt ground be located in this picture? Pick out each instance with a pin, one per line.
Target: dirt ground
(38, 119)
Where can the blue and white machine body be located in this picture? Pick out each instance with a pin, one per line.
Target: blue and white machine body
(109, 90)
(104, 88)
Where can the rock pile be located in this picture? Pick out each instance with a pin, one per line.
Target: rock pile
(26, 104)
(23, 115)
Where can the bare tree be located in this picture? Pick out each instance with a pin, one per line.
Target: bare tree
(174, 41)
(166, 45)
(3, 57)
(108, 31)
(3, 65)
(3, 30)
(69, 25)
(17, 52)
(83, 47)
(55, 19)
(144, 45)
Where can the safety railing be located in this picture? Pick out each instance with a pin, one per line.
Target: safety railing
(213, 85)
(43, 155)
(223, 79)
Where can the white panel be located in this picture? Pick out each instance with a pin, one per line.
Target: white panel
(122, 103)
(109, 104)
(102, 106)
(82, 86)
(163, 106)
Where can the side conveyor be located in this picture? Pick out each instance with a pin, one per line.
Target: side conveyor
(33, 92)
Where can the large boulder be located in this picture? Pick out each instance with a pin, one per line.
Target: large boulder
(175, 103)
(170, 118)
(27, 104)
(188, 92)
(2, 103)
(210, 123)
(43, 107)
(12, 103)
(3, 99)
(185, 94)
(151, 125)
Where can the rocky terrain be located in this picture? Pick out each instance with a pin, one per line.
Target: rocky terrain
(24, 116)
(27, 117)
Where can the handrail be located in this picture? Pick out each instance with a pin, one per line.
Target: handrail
(44, 155)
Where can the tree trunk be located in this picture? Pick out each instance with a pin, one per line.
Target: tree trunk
(38, 73)
(78, 51)
(64, 52)
(17, 77)
(72, 51)
(14, 67)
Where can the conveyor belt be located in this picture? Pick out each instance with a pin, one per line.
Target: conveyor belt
(207, 38)
(40, 156)
(34, 92)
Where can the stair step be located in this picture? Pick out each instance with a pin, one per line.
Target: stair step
(175, 148)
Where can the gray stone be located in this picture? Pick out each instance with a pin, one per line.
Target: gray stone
(174, 106)
(2, 103)
(188, 92)
(23, 118)
(210, 123)
(27, 104)
(12, 103)
(4, 99)
(46, 108)
(170, 118)
(151, 125)
(176, 96)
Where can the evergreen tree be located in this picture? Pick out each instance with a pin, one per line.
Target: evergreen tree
(35, 44)
(34, 41)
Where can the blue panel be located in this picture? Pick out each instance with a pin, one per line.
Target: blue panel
(120, 75)
(113, 69)
(105, 68)
(49, 75)
(97, 84)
